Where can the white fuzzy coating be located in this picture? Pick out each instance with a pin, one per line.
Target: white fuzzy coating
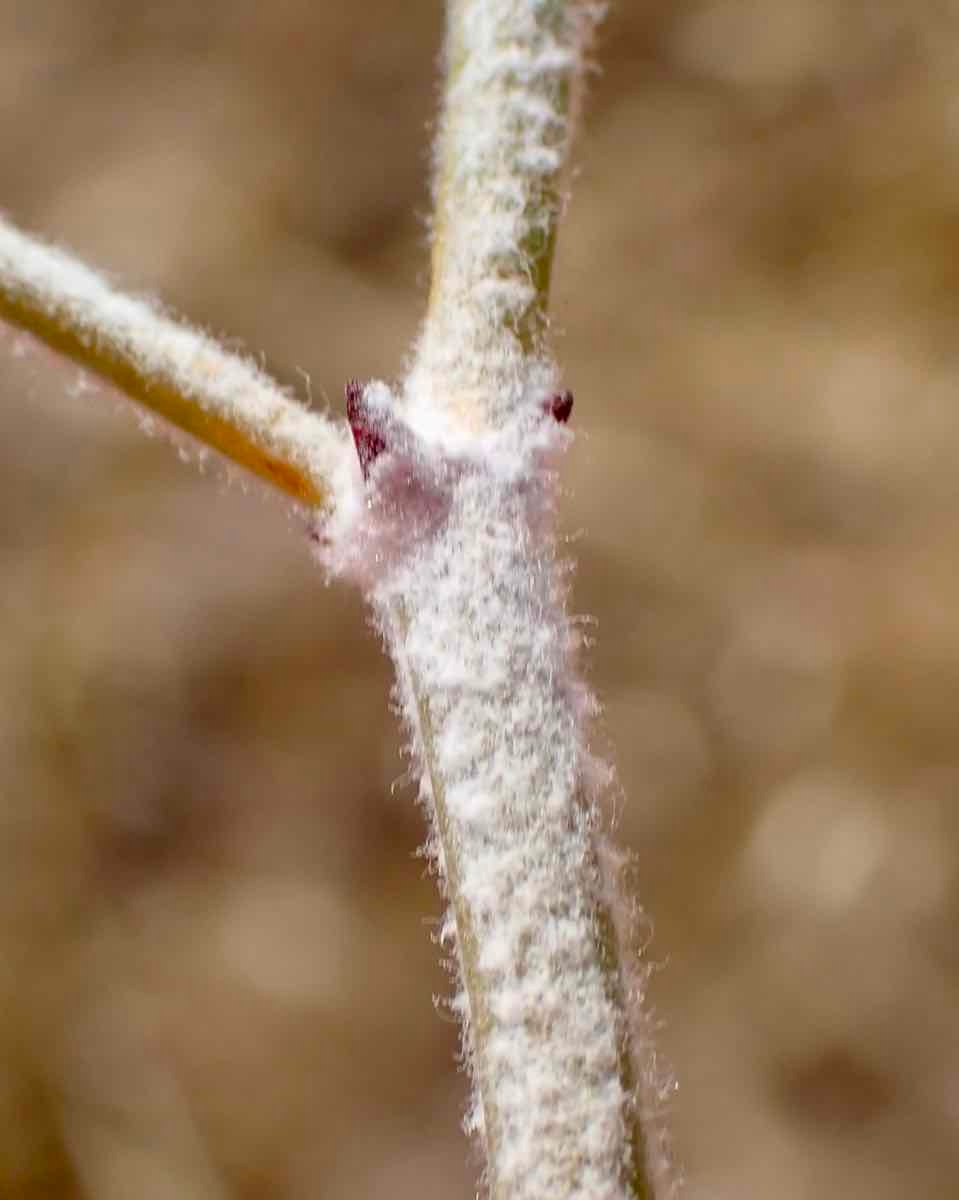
(457, 526)
(473, 606)
(506, 126)
(165, 351)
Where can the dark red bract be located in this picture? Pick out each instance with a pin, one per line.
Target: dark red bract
(367, 433)
(560, 405)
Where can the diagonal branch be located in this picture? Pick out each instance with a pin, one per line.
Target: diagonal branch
(178, 373)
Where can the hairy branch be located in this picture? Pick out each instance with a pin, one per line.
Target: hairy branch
(179, 374)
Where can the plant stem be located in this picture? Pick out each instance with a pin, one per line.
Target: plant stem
(511, 67)
(478, 631)
(177, 373)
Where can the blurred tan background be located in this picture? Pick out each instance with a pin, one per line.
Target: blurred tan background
(216, 966)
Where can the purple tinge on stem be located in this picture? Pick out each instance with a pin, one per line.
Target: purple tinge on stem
(367, 433)
(560, 405)
(368, 430)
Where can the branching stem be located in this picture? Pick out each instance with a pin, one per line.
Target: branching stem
(175, 372)
(474, 613)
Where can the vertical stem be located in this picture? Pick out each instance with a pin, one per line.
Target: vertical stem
(554, 1067)
(511, 68)
(477, 626)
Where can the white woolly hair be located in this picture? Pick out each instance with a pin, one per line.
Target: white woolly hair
(453, 538)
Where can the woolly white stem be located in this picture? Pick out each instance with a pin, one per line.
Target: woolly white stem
(483, 651)
(511, 66)
(178, 373)
(475, 617)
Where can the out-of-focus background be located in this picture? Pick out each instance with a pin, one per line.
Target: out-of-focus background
(216, 966)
